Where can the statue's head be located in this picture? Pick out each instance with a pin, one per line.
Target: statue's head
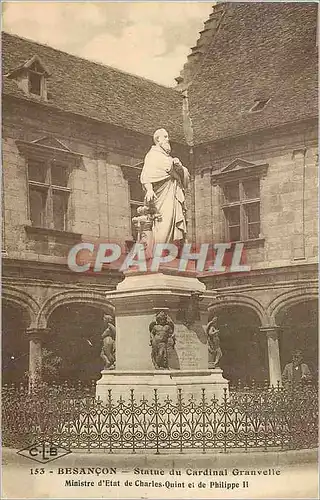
(161, 138)
(161, 318)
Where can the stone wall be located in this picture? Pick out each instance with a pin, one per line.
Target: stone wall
(99, 207)
(288, 195)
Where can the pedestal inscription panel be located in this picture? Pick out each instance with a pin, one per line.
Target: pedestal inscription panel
(191, 347)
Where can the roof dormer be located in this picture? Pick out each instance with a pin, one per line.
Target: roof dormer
(31, 77)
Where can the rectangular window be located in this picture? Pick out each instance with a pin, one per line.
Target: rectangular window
(241, 209)
(48, 194)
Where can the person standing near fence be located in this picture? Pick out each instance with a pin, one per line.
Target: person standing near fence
(296, 372)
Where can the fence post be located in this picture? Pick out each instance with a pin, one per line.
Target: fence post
(225, 414)
(156, 414)
(88, 417)
(180, 420)
(132, 419)
(281, 395)
(109, 407)
(203, 414)
(265, 400)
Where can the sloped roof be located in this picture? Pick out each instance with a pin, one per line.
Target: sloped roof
(261, 51)
(96, 91)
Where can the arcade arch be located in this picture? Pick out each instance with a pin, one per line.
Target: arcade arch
(93, 298)
(73, 337)
(244, 346)
(298, 329)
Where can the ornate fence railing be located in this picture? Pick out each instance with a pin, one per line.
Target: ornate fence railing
(246, 419)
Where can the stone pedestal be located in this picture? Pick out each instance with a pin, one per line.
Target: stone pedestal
(167, 383)
(137, 299)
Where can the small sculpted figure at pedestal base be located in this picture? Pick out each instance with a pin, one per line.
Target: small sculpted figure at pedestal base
(108, 337)
(161, 339)
(214, 349)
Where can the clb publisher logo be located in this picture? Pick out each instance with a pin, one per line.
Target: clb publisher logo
(43, 452)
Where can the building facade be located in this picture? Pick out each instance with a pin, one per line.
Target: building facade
(243, 119)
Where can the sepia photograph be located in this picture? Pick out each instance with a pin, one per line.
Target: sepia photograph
(159, 302)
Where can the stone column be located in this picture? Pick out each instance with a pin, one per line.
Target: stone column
(273, 354)
(35, 354)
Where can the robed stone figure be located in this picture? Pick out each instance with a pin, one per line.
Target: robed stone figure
(164, 180)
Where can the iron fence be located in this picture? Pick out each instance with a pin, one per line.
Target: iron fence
(245, 419)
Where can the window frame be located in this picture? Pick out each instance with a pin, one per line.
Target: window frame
(242, 203)
(36, 68)
(239, 170)
(42, 83)
(50, 149)
(22, 76)
(49, 188)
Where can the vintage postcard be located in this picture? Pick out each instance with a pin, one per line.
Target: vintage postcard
(159, 250)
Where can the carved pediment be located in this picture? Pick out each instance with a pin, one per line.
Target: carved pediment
(52, 142)
(239, 168)
(48, 148)
(237, 164)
